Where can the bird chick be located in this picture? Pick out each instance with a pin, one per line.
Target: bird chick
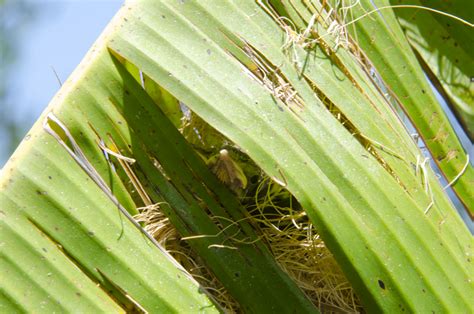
(228, 171)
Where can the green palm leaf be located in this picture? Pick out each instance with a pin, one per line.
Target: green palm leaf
(305, 113)
(445, 47)
(397, 65)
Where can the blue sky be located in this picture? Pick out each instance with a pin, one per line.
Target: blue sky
(57, 37)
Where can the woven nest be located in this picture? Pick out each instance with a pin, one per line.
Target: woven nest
(291, 238)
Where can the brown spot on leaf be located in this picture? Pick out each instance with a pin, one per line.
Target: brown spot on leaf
(450, 155)
(433, 117)
(441, 136)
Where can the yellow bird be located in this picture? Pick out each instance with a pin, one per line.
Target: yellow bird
(228, 171)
